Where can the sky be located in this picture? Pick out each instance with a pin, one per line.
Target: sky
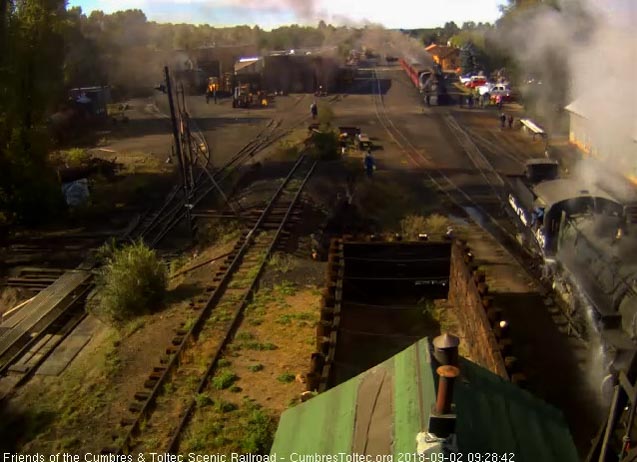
(272, 13)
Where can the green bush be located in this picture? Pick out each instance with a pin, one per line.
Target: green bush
(132, 282)
(325, 116)
(259, 431)
(286, 377)
(224, 379)
(325, 145)
(256, 367)
(75, 157)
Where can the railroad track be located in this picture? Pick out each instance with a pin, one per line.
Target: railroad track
(153, 227)
(485, 206)
(492, 146)
(162, 410)
(440, 180)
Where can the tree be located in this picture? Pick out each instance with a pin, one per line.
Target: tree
(31, 82)
(450, 29)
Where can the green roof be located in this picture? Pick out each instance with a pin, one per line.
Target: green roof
(383, 409)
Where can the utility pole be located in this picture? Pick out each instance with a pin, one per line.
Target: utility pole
(180, 158)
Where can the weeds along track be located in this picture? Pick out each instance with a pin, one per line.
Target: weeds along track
(162, 409)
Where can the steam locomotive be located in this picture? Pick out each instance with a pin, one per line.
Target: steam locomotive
(429, 81)
(584, 235)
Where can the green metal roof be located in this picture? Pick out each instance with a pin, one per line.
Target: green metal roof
(383, 409)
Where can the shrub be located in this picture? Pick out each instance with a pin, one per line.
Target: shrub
(286, 377)
(325, 116)
(259, 431)
(75, 157)
(224, 379)
(326, 145)
(281, 262)
(256, 367)
(132, 282)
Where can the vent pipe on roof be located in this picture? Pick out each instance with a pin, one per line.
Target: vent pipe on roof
(446, 349)
(447, 376)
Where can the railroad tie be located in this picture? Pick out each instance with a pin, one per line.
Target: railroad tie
(142, 395)
(126, 422)
(135, 407)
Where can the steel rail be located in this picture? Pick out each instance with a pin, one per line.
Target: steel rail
(174, 442)
(166, 370)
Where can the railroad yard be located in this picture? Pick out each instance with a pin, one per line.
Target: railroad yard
(254, 323)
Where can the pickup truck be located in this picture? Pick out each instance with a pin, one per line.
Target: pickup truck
(493, 90)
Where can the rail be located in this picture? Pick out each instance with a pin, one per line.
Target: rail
(144, 400)
(439, 179)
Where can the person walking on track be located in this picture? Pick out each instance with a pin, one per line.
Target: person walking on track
(314, 110)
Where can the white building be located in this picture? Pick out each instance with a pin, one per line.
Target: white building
(610, 139)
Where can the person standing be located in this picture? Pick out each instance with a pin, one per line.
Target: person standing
(510, 121)
(314, 110)
(369, 163)
(503, 119)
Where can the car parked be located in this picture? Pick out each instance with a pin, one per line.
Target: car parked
(476, 81)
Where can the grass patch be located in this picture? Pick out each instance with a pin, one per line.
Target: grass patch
(219, 232)
(412, 225)
(286, 150)
(224, 378)
(286, 319)
(285, 288)
(133, 326)
(178, 263)
(255, 367)
(223, 362)
(257, 346)
(258, 431)
(203, 400)
(245, 336)
(286, 377)
(224, 406)
(282, 262)
(75, 157)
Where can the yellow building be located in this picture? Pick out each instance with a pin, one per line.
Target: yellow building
(445, 56)
(617, 148)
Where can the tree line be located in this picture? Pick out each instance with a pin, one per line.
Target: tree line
(47, 48)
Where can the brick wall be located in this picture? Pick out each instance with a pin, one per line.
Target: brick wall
(469, 293)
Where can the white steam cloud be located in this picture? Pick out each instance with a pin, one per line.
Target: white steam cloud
(596, 43)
